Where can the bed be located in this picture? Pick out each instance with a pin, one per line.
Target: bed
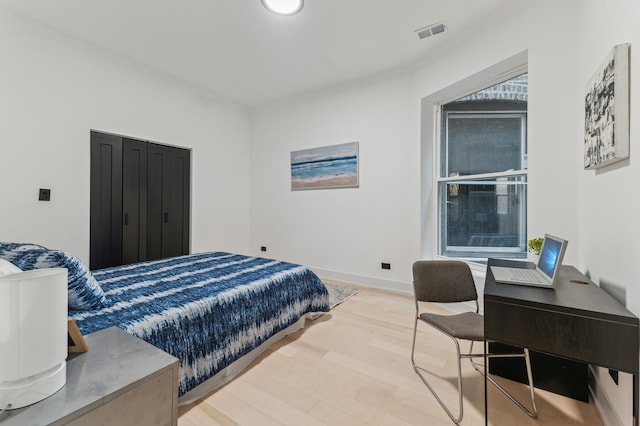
(215, 312)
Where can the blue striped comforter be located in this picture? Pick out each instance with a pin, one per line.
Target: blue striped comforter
(206, 309)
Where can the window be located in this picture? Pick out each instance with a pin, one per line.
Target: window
(482, 178)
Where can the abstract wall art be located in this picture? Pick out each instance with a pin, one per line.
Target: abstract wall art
(606, 131)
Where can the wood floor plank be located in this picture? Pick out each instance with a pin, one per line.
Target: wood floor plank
(203, 414)
(278, 409)
(239, 410)
(352, 367)
(330, 415)
(281, 389)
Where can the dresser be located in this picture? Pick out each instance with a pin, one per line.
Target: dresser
(121, 380)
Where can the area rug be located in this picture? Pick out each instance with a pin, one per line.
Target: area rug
(339, 293)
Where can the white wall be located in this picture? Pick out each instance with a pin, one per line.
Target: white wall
(54, 90)
(553, 158)
(344, 233)
(349, 232)
(609, 205)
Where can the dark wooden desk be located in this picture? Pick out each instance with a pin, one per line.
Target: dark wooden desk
(576, 321)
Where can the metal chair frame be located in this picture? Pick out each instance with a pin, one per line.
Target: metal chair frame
(533, 413)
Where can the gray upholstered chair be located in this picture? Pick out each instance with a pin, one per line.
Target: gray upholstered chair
(450, 281)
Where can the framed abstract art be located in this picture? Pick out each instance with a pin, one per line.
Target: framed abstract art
(606, 130)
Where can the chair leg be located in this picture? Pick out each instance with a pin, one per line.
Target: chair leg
(527, 360)
(533, 413)
(416, 368)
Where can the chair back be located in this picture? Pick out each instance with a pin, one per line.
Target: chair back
(443, 281)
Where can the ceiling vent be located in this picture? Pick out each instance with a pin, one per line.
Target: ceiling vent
(431, 30)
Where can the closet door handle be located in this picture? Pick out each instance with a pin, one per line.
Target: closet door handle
(126, 218)
(166, 217)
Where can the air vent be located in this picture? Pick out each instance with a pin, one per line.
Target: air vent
(431, 30)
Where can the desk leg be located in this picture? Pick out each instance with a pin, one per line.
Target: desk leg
(635, 399)
(486, 395)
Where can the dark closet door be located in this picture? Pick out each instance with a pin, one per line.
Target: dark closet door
(176, 238)
(134, 201)
(168, 197)
(105, 239)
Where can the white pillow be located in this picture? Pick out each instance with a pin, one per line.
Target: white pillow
(7, 268)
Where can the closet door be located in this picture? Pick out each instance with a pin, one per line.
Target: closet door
(168, 198)
(176, 238)
(134, 201)
(105, 239)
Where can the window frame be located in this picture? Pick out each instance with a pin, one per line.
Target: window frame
(442, 248)
(441, 230)
(430, 137)
(473, 114)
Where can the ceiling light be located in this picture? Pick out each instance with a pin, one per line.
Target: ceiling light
(283, 7)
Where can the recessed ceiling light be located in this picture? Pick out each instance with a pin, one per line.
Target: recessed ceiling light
(283, 7)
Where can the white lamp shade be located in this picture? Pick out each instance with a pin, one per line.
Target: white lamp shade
(33, 335)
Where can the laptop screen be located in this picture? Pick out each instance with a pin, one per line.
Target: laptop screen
(550, 255)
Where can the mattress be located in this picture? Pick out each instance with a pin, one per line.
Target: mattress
(208, 310)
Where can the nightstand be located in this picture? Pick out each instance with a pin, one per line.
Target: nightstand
(121, 380)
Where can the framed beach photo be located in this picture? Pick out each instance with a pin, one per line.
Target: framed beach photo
(334, 166)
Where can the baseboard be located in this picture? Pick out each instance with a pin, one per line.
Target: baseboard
(386, 285)
(605, 409)
(377, 283)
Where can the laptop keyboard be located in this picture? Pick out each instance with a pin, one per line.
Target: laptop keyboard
(526, 275)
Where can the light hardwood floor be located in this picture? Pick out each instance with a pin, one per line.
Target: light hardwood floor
(352, 367)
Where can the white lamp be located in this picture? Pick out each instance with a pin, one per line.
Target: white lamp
(283, 7)
(33, 336)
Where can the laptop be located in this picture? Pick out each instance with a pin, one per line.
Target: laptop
(546, 271)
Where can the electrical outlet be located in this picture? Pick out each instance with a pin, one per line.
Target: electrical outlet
(44, 195)
(263, 248)
(385, 265)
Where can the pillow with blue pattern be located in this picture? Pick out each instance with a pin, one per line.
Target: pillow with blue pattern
(84, 291)
(4, 247)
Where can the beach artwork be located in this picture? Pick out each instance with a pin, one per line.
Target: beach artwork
(334, 166)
